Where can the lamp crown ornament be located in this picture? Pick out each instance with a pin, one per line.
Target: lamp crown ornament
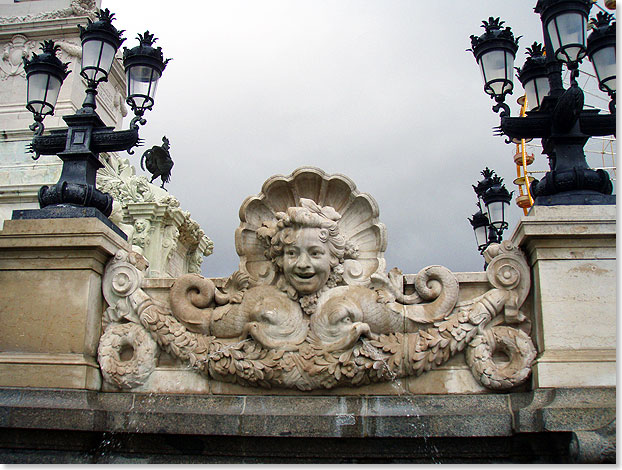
(486, 183)
(48, 56)
(145, 48)
(603, 19)
(103, 25)
(478, 219)
(497, 190)
(147, 38)
(487, 173)
(493, 30)
(535, 51)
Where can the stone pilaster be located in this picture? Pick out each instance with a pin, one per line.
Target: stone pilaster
(572, 254)
(51, 304)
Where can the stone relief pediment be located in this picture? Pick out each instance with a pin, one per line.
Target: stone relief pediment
(311, 305)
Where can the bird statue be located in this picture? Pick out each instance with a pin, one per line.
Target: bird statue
(158, 161)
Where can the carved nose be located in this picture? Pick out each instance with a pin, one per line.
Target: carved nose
(303, 261)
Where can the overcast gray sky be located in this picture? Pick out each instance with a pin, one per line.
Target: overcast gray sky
(382, 91)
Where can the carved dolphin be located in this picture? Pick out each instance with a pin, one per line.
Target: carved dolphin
(265, 313)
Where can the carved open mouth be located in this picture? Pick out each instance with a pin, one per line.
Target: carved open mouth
(305, 275)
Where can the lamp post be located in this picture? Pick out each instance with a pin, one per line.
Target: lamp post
(78, 146)
(556, 114)
(492, 201)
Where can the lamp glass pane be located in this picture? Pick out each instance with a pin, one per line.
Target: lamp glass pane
(496, 214)
(42, 94)
(604, 61)
(97, 57)
(496, 67)
(536, 90)
(142, 83)
(481, 235)
(567, 32)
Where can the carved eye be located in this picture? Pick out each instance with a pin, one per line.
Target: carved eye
(347, 319)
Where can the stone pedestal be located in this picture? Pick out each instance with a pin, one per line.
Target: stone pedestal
(51, 303)
(572, 253)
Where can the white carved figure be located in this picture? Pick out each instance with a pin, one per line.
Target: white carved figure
(195, 259)
(141, 234)
(311, 306)
(169, 243)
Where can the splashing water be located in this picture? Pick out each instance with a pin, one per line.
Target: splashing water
(377, 356)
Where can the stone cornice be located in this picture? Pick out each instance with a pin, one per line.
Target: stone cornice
(313, 416)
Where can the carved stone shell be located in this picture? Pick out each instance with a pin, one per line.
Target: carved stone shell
(359, 221)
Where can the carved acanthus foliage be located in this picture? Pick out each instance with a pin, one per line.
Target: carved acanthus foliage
(294, 318)
(118, 178)
(76, 8)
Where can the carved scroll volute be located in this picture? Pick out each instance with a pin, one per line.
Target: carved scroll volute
(190, 296)
(508, 270)
(121, 286)
(123, 276)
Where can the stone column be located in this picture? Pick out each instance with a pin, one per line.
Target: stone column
(572, 254)
(51, 301)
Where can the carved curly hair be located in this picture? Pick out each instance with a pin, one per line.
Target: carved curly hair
(276, 236)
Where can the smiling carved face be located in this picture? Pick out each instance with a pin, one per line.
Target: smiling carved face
(307, 261)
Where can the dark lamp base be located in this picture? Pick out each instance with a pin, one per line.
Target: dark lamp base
(66, 211)
(576, 198)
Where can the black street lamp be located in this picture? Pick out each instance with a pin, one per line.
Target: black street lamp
(45, 74)
(601, 49)
(492, 201)
(78, 146)
(534, 76)
(556, 115)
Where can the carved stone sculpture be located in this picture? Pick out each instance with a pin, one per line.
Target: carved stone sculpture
(311, 306)
(153, 220)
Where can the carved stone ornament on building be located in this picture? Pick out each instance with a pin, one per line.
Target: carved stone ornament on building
(76, 8)
(156, 226)
(13, 54)
(311, 306)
